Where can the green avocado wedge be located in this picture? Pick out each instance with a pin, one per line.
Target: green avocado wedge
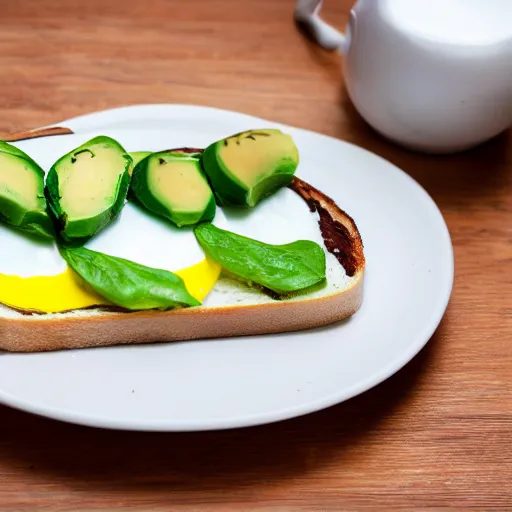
(22, 201)
(171, 184)
(86, 188)
(249, 166)
(137, 156)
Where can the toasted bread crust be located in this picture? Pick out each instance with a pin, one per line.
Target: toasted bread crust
(35, 134)
(339, 231)
(38, 333)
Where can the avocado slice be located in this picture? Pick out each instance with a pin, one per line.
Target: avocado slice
(248, 166)
(86, 188)
(22, 201)
(137, 156)
(172, 185)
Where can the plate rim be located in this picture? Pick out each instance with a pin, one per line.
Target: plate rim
(89, 122)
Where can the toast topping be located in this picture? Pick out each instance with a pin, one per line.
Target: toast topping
(86, 188)
(177, 179)
(340, 234)
(171, 184)
(249, 166)
(22, 202)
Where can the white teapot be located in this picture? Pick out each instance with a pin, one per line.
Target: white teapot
(432, 75)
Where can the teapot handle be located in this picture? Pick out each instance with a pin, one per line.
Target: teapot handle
(307, 17)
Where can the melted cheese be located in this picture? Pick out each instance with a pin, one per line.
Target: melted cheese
(48, 294)
(200, 278)
(67, 291)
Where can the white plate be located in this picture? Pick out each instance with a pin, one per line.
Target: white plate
(226, 383)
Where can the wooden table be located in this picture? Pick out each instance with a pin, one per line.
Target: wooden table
(436, 435)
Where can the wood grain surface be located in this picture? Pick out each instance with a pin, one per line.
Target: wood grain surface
(436, 436)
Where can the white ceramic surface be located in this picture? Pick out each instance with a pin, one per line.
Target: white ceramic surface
(228, 383)
(433, 75)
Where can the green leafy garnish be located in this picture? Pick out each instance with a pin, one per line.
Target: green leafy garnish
(280, 268)
(128, 284)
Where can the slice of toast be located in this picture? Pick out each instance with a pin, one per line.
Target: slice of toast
(231, 309)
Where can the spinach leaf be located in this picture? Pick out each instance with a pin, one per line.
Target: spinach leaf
(280, 268)
(126, 283)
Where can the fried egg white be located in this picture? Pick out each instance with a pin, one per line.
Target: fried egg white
(34, 276)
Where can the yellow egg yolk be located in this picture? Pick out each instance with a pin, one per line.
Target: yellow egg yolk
(67, 291)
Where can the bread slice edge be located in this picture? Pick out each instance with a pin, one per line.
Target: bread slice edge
(39, 333)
